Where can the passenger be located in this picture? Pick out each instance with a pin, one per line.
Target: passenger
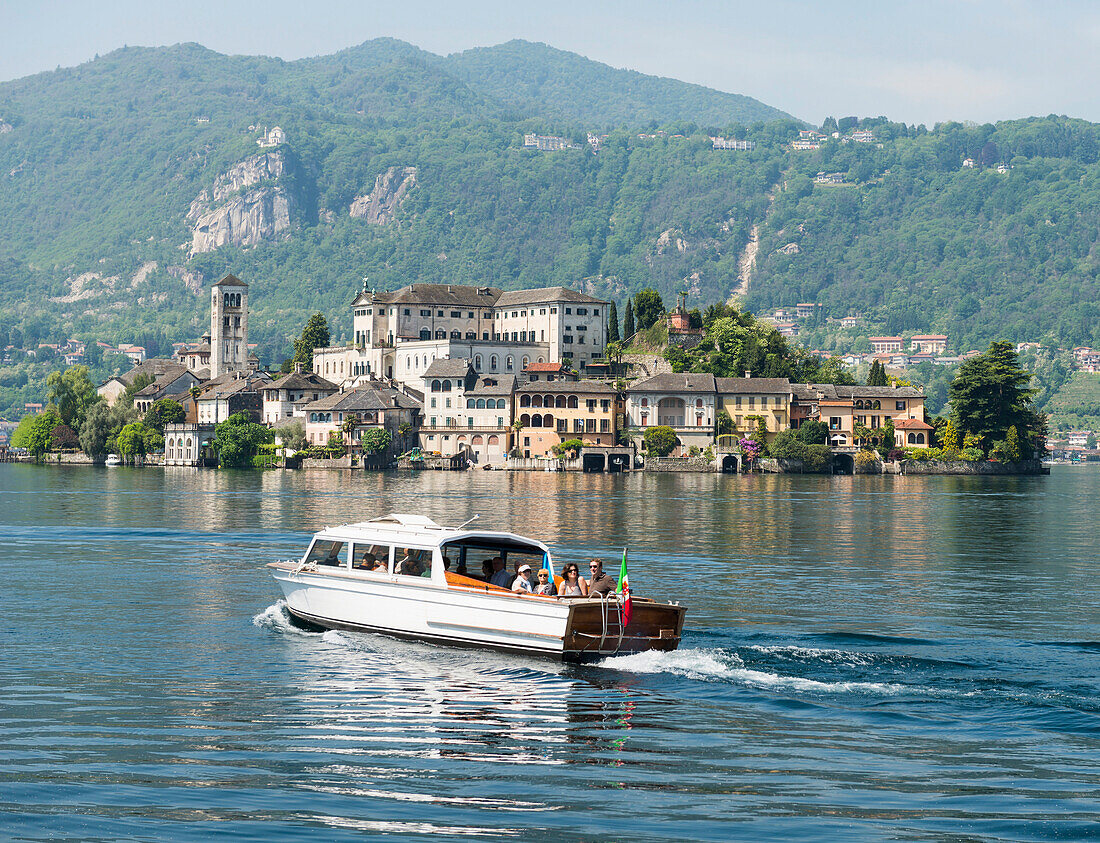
(461, 569)
(572, 584)
(333, 557)
(381, 566)
(546, 584)
(487, 570)
(600, 583)
(500, 576)
(523, 583)
(368, 561)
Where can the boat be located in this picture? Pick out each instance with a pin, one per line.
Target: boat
(398, 575)
(114, 459)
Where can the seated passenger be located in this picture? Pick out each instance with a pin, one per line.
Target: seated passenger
(572, 584)
(487, 570)
(461, 569)
(546, 583)
(523, 585)
(381, 566)
(368, 561)
(500, 576)
(333, 557)
(600, 583)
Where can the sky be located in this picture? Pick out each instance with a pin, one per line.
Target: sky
(917, 62)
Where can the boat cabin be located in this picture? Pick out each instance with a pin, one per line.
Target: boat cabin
(413, 546)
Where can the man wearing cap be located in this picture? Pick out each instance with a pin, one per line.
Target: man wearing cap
(599, 582)
(523, 584)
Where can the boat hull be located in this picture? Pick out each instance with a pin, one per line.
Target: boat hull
(569, 630)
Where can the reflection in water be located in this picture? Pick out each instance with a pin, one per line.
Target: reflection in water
(868, 656)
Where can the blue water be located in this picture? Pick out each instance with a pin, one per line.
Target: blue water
(865, 658)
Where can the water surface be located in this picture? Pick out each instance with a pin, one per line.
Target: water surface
(864, 658)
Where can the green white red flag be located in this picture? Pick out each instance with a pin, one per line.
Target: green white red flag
(624, 589)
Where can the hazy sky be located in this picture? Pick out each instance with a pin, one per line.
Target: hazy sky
(913, 61)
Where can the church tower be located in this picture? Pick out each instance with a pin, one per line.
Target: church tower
(228, 326)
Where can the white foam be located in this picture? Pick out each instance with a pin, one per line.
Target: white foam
(277, 618)
(712, 665)
(820, 653)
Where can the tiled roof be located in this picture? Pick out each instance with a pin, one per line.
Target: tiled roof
(544, 367)
(505, 385)
(305, 380)
(586, 387)
(459, 295)
(541, 295)
(447, 367)
(362, 399)
(676, 382)
(750, 386)
(230, 281)
(911, 424)
(155, 366)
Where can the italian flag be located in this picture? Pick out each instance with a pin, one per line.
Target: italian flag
(624, 589)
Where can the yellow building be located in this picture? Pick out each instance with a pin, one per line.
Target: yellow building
(745, 398)
(551, 413)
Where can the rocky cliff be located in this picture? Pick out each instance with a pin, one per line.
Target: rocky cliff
(379, 206)
(248, 203)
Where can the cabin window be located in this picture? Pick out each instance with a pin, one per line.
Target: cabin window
(371, 558)
(412, 562)
(327, 552)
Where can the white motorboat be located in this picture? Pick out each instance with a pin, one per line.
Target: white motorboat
(113, 459)
(404, 575)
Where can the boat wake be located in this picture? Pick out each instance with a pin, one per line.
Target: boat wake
(277, 618)
(722, 666)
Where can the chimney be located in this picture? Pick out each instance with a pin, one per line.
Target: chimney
(748, 373)
(393, 399)
(298, 368)
(895, 383)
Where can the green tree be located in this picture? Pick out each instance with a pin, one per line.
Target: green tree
(35, 433)
(164, 412)
(292, 435)
(132, 441)
(100, 424)
(64, 438)
(648, 307)
(951, 439)
(1090, 441)
(877, 375)
(1012, 444)
(659, 440)
(136, 385)
(990, 394)
(315, 334)
(725, 423)
(629, 329)
(612, 324)
(238, 439)
(375, 440)
(814, 432)
(72, 392)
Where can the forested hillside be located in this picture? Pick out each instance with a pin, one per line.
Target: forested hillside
(130, 183)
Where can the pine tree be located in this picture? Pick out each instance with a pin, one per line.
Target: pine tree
(628, 321)
(613, 324)
(315, 334)
(990, 394)
(877, 375)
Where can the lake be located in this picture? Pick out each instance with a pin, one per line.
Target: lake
(864, 658)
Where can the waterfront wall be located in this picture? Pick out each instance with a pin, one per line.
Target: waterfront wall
(964, 467)
(679, 464)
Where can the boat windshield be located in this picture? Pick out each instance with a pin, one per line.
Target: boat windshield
(473, 556)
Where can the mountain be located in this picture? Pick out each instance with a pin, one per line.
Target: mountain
(131, 182)
(538, 80)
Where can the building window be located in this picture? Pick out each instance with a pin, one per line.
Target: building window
(511, 363)
(425, 313)
(899, 405)
(433, 403)
(605, 425)
(752, 403)
(834, 422)
(568, 311)
(645, 419)
(553, 310)
(408, 312)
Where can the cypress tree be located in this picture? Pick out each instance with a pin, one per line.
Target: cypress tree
(628, 321)
(613, 324)
(877, 375)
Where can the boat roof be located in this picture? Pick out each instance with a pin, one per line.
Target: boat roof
(401, 528)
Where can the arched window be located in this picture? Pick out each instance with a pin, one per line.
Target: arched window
(493, 363)
(536, 420)
(560, 402)
(525, 400)
(859, 404)
(425, 334)
(511, 363)
(548, 421)
(699, 403)
(480, 404)
(540, 359)
(470, 405)
(912, 439)
(572, 403)
(436, 387)
(477, 362)
(526, 361)
(877, 406)
(446, 386)
(456, 335)
(536, 400)
(645, 402)
(441, 335)
(500, 404)
(471, 335)
(920, 438)
(525, 420)
(494, 440)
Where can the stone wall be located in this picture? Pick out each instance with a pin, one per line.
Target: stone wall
(964, 467)
(680, 464)
(773, 465)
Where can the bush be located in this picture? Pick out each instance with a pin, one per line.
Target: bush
(817, 458)
(568, 445)
(895, 455)
(789, 446)
(867, 460)
(659, 440)
(971, 454)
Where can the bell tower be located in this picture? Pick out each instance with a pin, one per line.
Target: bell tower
(228, 326)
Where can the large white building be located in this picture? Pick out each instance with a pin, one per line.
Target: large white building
(398, 335)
